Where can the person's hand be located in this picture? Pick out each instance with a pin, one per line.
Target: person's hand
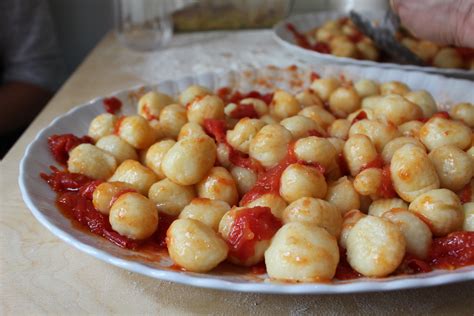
(441, 21)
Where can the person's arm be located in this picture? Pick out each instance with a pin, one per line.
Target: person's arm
(21, 102)
(440, 21)
(31, 67)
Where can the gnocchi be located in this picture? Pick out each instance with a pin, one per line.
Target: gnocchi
(368, 171)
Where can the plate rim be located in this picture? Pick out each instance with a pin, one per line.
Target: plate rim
(278, 28)
(200, 280)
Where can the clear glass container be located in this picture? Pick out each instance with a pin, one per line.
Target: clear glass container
(144, 25)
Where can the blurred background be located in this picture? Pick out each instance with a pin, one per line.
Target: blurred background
(80, 24)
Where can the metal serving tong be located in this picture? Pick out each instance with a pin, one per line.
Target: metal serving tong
(383, 35)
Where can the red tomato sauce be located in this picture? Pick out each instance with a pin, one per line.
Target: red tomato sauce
(453, 251)
(118, 124)
(465, 194)
(269, 181)
(344, 270)
(250, 226)
(244, 110)
(313, 132)
(376, 163)
(442, 114)
(74, 199)
(386, 189)
(302, 41)
(217, 129)
(164, 223)
(362, 115)
(112, 105)
(313, 76)
(147, 113)
(226, 94)
(61, 145)
(465, 52)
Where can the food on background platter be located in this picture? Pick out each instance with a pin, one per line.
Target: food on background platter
(339, 181)
(341, 38)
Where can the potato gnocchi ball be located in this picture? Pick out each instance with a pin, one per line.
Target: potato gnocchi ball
(395, 109)
(394, 87)
(170, 197)
(337, 143)
(379, 133)
(189, 160)
(299, 181)
(463, 112)
(303, 253)
(117, 147)
(134, 216)
(154, 156)
(315, 150)
(367, 50)
(417, 234)
(269, 146)
(136, 131)
(324, 87)
(342, 194)
(318, 114)
(411, 129)
(134, 173)
(275, 202)
(440, 131)
(284, 105)
(301, 126)
(348, 221)
(375, 247)
(424, 100)
(468, 217)
(380, 206)
(191, 129)
(448, 58)
(223, 155)
(244, 179)
(366, 88)
(341, 46)
(344, 101)
(453, 166)
(151, 104)
(102, 125)
(105, 192)
(358, 152)
(369, 103)
(307, 98)
(207, 107)
(91, 161)
(412, 172)
(340, 128)
(191, 93)
(205, 210)
(441, 209)
(255, 247)
(243, 133)
(218, 184)
(172, 118)
(392, 146)
(313, 211)
(195, 246)
(368, 181)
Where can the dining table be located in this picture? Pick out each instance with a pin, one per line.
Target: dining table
(41, 274)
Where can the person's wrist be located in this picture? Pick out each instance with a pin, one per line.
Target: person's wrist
(463, 20)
